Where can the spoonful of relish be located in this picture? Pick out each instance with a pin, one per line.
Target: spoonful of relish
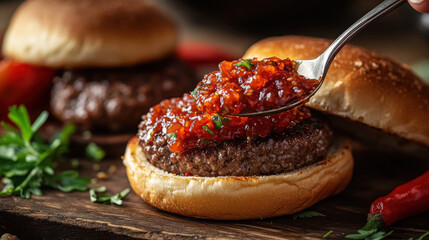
(253, 87)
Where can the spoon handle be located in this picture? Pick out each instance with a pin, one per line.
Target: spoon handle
(379, 11)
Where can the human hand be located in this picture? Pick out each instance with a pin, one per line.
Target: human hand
(420, 5)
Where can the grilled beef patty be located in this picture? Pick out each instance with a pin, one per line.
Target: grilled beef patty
(295, 148)
(115, 98)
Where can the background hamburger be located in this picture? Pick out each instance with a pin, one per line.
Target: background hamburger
(113, 59)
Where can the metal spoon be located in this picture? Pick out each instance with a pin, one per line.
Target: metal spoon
(318, 67)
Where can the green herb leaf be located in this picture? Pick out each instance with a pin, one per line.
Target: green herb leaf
(206, 141)
(421, 237)
(327, 234)
(70, 181)
(194, 93)
(307, 214)
(362, 234)
(93, 193)
(370, 230)
(217, 121)
(247, 63)
(107, 199)
(39, 121)
(117, 199)
(27, 161)
(75, 163)
(94, 152)
(8, 128)
(207, 129)
(369, 235)
(19, 116)
(378, 236)
(172, 135)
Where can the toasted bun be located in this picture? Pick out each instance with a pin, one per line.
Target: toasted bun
(88, 33)
(361, 85)
(234, 198)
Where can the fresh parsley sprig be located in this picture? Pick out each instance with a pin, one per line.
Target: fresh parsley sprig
(27, 161)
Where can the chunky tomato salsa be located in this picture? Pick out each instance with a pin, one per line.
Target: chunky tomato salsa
(204, 118)
(250, 85)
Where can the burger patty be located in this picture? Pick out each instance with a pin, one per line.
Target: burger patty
(115, 98)
(295, 148)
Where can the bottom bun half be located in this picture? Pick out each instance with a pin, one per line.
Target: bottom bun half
(234, 198)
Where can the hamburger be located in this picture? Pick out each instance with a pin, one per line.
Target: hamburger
(113, 59)
(286, 171)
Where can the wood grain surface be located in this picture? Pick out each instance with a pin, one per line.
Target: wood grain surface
(58, 215)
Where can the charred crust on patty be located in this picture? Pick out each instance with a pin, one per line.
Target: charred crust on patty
(293, 149)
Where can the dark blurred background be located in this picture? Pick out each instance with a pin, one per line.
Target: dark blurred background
(236, 24)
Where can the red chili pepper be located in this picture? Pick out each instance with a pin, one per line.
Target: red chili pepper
(404, 201)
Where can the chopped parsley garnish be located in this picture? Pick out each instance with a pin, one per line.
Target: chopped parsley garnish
(327, 234)
(207, 129)
(194, 93)
(371, 234)
(75, 163)
(421, 237)
(247, 63)
(94, 152)
(96, 196)
(27, 161)
(206, 141)
(287, 69)
(307, 214)
(217, 121)
(172, 135)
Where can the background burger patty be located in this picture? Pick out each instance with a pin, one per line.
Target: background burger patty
(298, 147)
(115, 98)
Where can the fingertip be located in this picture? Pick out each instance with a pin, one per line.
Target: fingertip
(420, 5)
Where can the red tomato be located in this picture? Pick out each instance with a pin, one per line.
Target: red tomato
(202, 53)
(23, 84)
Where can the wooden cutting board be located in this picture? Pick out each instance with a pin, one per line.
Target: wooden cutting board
(58, 215)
